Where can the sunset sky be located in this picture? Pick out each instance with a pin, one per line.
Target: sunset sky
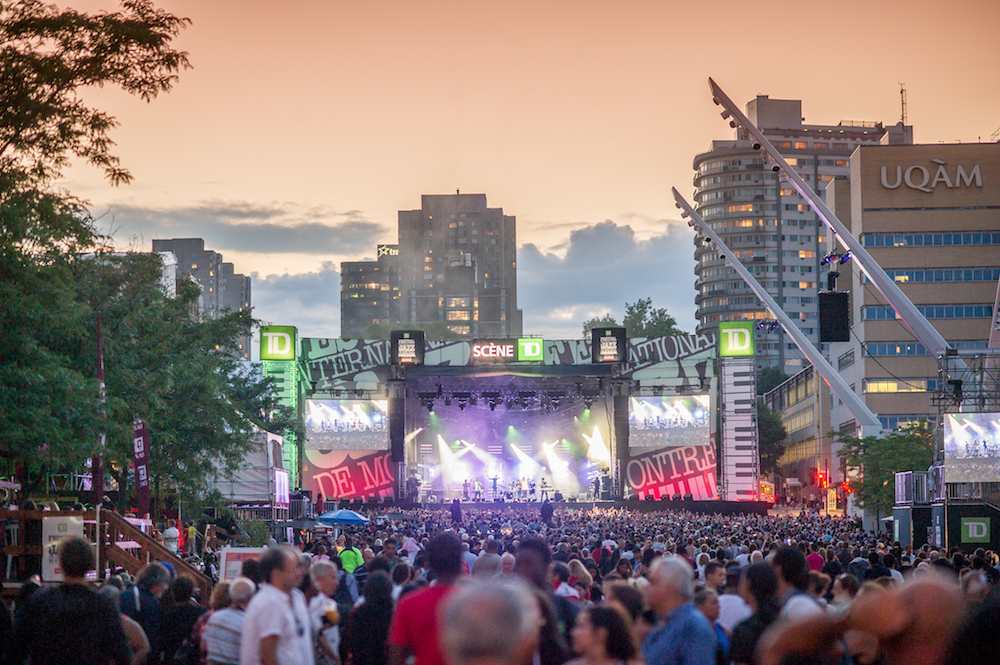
(304, 126)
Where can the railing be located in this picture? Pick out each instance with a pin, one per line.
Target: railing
(120, 544)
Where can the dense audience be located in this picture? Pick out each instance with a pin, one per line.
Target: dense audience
(523, 586)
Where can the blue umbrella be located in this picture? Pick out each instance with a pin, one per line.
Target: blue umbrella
(343, 516)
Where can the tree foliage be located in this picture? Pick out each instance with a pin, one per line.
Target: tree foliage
(162, 363)
(769, 378)
(641, 320)
(876, 460)
(771, 435)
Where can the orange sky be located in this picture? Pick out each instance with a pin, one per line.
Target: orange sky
(566, 114)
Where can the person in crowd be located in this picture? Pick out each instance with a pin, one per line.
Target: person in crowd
(845, 588)
(490, 624)
(684, 635)
(759, 588)
(276, 627)
(532, 563)
(137, 640)
(415, 629)
(347, 592)
(507, 565)
(224, 628)
(250, 569)
(626, 598)
(560, 579)
(488, 564)
(70, 623)
(732, 608)
(603, 636)
(218, 600)
(793, 584)
(142, 601)
(401, 575)
(365, 634)
(172, 537)
(177, 621)
(350, 556)
(715, 576)
(324, 612)
(390, 552)
(707, 602)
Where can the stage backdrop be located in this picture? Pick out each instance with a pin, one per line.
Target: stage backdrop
(670, 471)
(345, 474)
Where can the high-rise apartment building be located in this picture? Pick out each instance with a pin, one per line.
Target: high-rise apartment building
(768, 225)
(458, 264)
(222, 288)
(930, 216)
(369, 292)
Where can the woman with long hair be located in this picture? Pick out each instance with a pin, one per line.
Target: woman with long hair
(601, 636)
(363, 640)
(759, 588)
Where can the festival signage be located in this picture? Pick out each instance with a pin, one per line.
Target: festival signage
(54, 531)
(407, 347)
(140, 453)
(525, 349)
(735, 339)
(689, 470)
(608, 345)
(345, 474)
(277, 342)
(231, 560)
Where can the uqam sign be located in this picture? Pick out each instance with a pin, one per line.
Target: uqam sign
(928, 178)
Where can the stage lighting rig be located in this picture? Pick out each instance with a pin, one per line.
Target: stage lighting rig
(837, 258)
(767, 324)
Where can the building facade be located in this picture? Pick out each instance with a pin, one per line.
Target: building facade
(222, 288)
(458, 264)
(768, 225)
(930, 216)
(369, 292)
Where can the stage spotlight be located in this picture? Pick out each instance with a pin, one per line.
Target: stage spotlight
(429, 404)
(472, 400)
(846, 257)
(447, 401)
(461, 406)
(493, 405)
(587, 403)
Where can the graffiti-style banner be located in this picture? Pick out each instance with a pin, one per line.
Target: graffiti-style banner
(670, 471)
(345, 474)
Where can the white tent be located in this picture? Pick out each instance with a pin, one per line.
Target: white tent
(260, 477)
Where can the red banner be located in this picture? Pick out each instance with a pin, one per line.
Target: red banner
(669, 471)
(345, 474)
(140, 452)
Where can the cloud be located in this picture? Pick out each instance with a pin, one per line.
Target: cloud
(605, 265)
(274, 228)
(309, 301)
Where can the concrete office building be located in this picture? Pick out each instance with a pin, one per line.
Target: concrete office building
(223, 289)
(930, 216)
(369, 292)
(768, 225)
(458, 265)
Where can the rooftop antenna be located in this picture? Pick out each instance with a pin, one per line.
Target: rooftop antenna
(902, 99)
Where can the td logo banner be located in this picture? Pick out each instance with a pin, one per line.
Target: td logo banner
(735, 339)
(277, 342)
(975, 529)
(530, 349)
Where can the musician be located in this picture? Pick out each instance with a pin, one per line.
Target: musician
(531, 489)
(479, 490)
(545, 490)
(465, 490)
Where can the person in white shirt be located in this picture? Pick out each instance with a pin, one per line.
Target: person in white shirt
(276, 628)
(172, 537)
(793, 581)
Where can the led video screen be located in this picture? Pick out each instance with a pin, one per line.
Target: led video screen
(669, 421)
(972, 448)
(344, 424)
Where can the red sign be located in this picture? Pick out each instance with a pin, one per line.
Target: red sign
(669, 471)
(140, 452)
(345, 474)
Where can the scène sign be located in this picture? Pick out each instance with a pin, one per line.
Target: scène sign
(528, 349)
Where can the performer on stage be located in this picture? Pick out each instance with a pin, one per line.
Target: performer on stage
(465, 490)
(495, 479)
(531, 489)
(545, 490)
(479, 490)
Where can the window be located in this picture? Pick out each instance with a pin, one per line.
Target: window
(930, 239)
(846, 360)
(458, 315)
(459, 330)
(884, 312)
(457, 302)
(945, 275)
(899, 385)
(801, 145)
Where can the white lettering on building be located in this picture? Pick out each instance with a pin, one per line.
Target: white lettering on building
(919, 177)
(493, 351)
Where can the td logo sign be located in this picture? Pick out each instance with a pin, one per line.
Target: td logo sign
(735, 339)
(277, 342)
(975, 529)
(530, 349)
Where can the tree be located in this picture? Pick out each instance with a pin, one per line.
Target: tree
(606, 321)
(771, 435)
(876, 460)
(641, 320)
(769, 378)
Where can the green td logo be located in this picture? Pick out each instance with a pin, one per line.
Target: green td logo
(530, 349)
(277, 342)
(735, 339)
(975, 529)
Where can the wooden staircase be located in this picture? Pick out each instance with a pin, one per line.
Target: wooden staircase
(120, 544)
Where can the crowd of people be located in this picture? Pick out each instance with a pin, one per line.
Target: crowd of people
(523, 586)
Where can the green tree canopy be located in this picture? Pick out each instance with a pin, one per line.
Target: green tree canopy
(872, 462)
(769, 378)
(641, 320)
(771, 435)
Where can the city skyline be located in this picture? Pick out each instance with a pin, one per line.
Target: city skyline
(297, 136)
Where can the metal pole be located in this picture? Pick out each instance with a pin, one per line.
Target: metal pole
(96, 462)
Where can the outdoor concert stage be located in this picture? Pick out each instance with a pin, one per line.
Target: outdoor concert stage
(701, 507)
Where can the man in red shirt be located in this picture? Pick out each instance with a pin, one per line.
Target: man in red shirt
(815, 559)
(414, 628)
